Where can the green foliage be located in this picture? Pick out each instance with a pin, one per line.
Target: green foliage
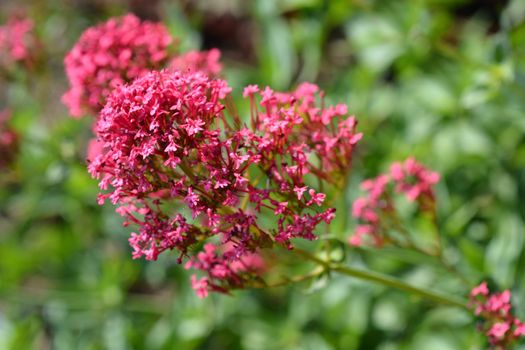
(444, 81)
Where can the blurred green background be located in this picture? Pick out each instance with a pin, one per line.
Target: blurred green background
(441, 80)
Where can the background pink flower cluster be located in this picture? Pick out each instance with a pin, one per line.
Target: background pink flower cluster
(119, 50)
(17, 42)
(376, 210)
(110, 54)
(499, 324)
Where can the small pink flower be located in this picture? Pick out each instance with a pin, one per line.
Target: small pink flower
(520, 329)
(480, 290)
(250, 90)
(357, 238)
(317, 198)
(498, 330)
(413, 179)
(499, 302)
(281, 207)
(358, 207)
(192, 199)
(299, 191)
(396, 171)
(249, 262)
(200, 286)
(267, 96)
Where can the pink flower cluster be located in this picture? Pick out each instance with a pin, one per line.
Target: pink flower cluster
(207, 62)
(296, 125)
(500, 325)
(376, 209)
(110, 54)
(188, 175)
(8, 140)
(295, 137)
(225, 267)
(157, 133)
(414, 180)
(16, 42)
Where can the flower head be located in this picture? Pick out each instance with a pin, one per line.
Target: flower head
(110, 54)
(295, 124)
(376, 209)
(161, 148)
(180, 170)
(413, 179)
(17, 42)
(499, 324)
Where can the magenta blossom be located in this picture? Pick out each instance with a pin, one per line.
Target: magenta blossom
(17, 42)
(318, 140)
(186, 175)
(111, 54)
(376, 210)
(413, 179)
(501, 327)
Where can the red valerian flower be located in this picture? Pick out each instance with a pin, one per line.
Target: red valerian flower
(499, 324)
(296, 125)
(413, 179)
(200, 286)
(17, 42)
(183, 168)
(159, 136)
(376, 210)
(110, 54)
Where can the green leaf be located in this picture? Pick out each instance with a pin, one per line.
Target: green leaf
(504, 249)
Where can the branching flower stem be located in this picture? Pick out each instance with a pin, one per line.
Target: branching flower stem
(384, 280)
(388, 281)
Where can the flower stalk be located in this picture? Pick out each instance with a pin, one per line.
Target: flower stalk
(387, 281)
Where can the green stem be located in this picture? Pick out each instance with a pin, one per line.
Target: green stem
(412, 248)
(318, 271)
(384, 280)
(398, 284)
(312, 257)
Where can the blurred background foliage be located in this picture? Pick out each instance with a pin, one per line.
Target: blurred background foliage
(442, 80)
